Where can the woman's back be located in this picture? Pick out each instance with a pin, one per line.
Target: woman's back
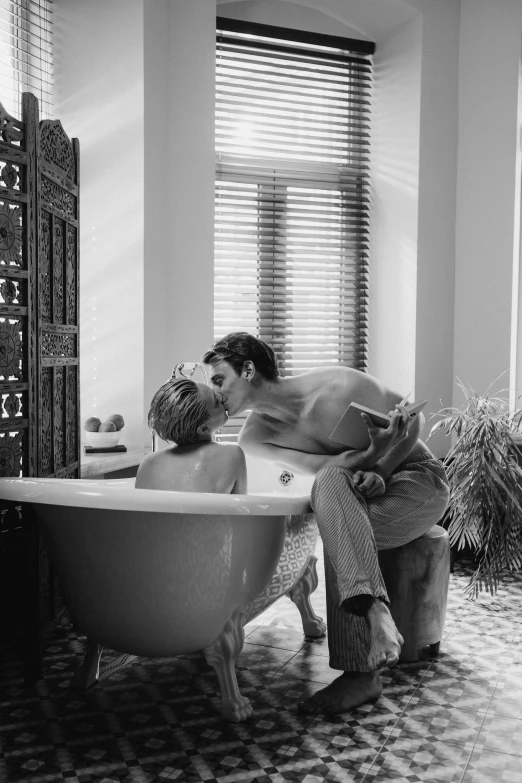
(195, 467)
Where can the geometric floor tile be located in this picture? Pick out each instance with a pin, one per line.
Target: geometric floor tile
(455, 718)
(486, 766)
(435, 724)
(503, 734)
(506, 701)
(421, 761)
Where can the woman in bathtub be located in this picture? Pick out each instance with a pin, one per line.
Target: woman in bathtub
(188, 414)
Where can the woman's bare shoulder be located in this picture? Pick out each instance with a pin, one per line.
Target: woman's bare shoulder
(230, 452)
(153, 462)
(153, 458)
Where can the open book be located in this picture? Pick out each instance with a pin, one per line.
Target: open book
(351, 429)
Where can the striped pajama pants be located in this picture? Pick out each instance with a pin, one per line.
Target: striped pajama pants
(354, 528)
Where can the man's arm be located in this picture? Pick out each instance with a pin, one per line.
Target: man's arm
(299, 461)
(398, 453)
(252, 441)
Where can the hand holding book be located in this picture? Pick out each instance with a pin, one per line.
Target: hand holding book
(352, 430)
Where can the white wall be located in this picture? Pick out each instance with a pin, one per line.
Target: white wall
(295, 15)
(179, 42)
(438, 154)
(488, 192)
(135, 83)
(394, 215)
(99, 99)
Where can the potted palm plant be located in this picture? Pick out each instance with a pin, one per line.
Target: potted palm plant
(485, 507)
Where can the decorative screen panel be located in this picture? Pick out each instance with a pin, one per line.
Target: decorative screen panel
(58, 297)
(17, 170)
(39, 363)
(39, 336)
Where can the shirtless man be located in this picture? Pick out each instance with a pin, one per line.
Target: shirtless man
(378, 498)
(188, 414)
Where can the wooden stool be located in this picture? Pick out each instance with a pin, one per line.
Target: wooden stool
(416, 576)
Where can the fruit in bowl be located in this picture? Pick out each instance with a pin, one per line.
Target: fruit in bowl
(102, 440)
(107, 426)
(103, 434)
(117, 420)
(92, 424)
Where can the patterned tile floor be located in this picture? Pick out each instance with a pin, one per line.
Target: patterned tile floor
(454, 718)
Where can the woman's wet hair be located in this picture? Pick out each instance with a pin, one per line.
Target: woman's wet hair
(177, 410)
(239, 347)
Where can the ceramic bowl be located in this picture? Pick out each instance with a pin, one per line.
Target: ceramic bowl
(102, 440)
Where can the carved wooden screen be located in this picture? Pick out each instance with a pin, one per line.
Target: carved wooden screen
(39, 363)
(58, 336)
(18, 433)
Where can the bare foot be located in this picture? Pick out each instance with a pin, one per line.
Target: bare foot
(386, 641)
(348, 691)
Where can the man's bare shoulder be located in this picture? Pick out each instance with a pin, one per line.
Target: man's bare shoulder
(332, 382)
(318, 377)
(255, 427)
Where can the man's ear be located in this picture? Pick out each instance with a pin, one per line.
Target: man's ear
(249, 370)
(202, 429)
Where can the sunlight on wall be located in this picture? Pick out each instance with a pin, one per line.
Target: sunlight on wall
(100, 101)
(179, 55)
(488, 192)
(395, 183)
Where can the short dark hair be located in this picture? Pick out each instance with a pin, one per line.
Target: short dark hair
(177, 410)
(239, 347)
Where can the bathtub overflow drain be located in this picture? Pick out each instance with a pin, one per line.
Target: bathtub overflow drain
(286, 478)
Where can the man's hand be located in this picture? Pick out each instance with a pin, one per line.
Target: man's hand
(370, 484)
(383, 439)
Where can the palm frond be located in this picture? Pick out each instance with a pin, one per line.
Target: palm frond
(485, 506)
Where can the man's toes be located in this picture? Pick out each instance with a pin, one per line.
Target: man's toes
(377, 661)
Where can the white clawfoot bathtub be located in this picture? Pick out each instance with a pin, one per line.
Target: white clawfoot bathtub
(152, 573)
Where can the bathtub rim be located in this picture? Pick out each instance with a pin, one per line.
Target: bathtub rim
(121, 495)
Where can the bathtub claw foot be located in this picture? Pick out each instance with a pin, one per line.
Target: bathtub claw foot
(91, 672)
(237, 711)
(300, 595)
(115, 665)
(221, 655)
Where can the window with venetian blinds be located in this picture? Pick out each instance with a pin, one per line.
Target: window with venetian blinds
(26, 62)
(292, 193)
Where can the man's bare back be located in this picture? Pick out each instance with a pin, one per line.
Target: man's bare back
(316, 400)
(196, 467)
